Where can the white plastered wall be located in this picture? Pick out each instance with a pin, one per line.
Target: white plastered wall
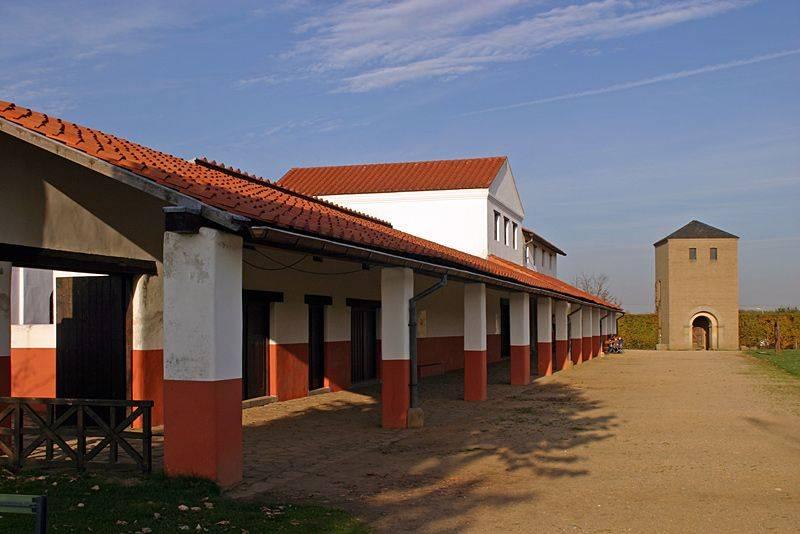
(202, 306)
(453, 217)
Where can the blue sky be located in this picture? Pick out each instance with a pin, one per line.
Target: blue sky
(623, 119)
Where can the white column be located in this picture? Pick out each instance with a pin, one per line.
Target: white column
(475, 371)
(519, 307)
(397, 288)
(5, 328)
(520, 333)
(562, 339)
(595, 331)
(576, 322)
(544, 320)
(203, 355)
(475, 317)
(613, 323)
(544, 335)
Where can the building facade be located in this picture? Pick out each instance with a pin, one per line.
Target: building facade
(697, 289)
(216, 289)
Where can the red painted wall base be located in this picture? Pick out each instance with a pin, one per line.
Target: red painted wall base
(203, 429)
(395, 396)
(577, 348)
(475, 381)
(595, 346)
(544, 358)
(562, 353)
(520, 365)
(147, 381)
(33, 372)
(586, 353)
(337, 365)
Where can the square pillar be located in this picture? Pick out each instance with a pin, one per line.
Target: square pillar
(397, 287)
(203, 355)
(5, 329)
(475, 379)
(562, 339)
(520, 332)
(595, 332)
(544, 335)
(576, 328)
(586, 352)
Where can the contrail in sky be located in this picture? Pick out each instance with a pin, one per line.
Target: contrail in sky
(646, 81)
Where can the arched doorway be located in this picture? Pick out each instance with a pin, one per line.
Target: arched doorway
(701, 333)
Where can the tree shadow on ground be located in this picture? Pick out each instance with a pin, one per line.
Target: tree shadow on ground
(469, 458)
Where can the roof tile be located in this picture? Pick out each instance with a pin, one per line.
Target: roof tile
(475, 173)
(269, 203)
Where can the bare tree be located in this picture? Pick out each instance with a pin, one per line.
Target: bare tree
(597, 285)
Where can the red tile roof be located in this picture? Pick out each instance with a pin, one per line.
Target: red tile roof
(476, 173)
(266, 202)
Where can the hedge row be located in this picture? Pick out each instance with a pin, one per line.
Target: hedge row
(756, 329)
(639, 331)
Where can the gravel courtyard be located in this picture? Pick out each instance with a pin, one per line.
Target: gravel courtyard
(645, 441)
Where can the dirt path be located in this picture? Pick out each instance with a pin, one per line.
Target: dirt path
(647, 441)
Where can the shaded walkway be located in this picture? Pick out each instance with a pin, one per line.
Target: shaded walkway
(690, 440)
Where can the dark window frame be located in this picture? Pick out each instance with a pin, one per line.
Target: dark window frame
(692, 254)
(713, 254)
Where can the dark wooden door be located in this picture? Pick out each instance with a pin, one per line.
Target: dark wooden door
(553, 343)
(699, 338)
(255, 345)
(534, 327)
(316, 346)
(91, 337)
(363, 342)
(505, 329)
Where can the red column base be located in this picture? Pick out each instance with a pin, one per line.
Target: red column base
(475, 379)
(577, 349)
(544, 357)
(595, 346)
(520, 365)
(603, 339)
(587, 349)
(562, 352)
(395, 396)
(203, 429)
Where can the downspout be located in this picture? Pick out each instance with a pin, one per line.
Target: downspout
(412, 336)
(621, 315)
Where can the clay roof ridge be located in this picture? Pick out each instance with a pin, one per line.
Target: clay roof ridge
(238, 173)
(419, 162)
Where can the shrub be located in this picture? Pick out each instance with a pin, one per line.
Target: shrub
(639, 331)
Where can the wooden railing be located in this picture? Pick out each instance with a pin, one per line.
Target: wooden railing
(76, 427)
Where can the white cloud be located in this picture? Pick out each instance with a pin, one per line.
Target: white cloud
(372, 44)
(672, 76)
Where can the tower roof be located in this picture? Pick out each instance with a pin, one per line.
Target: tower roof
(697, 230)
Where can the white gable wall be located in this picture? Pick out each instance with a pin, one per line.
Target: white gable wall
(461, 218)
(453, 218)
